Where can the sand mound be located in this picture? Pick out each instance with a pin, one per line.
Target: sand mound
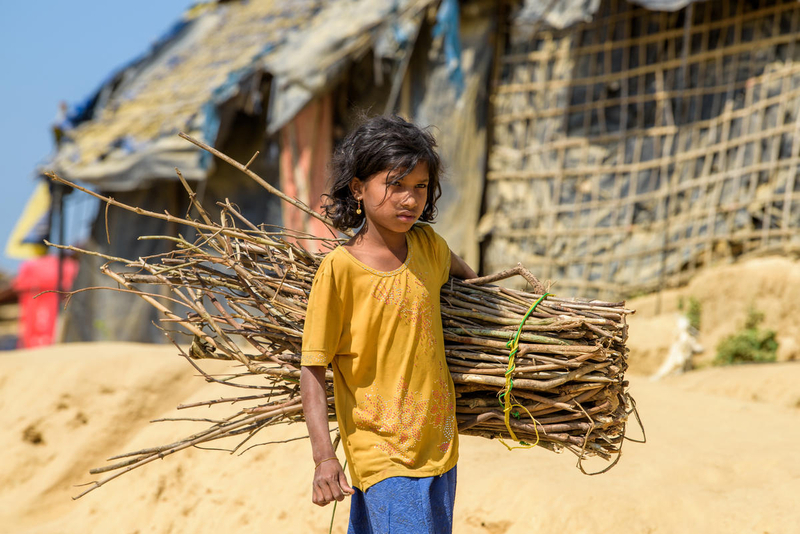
(774, 384)
(771, 285)
(713, 463)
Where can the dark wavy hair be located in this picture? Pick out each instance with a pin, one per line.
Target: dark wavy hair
(380, 144)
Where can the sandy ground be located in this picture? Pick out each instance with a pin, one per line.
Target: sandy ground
(771, 285)
(721, 455)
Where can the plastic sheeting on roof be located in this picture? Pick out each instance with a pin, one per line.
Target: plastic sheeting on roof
(343, 30)
(180, 85)
(664, 5)
(561, 14)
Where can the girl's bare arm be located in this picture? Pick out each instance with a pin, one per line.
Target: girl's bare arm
(330, 481)
(459, 268)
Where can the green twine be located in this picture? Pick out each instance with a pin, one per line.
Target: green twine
(513, 344)
(333, 514)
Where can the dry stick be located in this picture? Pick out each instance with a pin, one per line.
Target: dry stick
(518, 270)
(250, 435)
(535, 385)
(137, 292)
(190, 419)
(230, 320)
(163, 216)
(87, 252)
(193, 197)
(252, 368)
(196, 438)
(108, 234)
(207, 319)
(151, 450)
(263, 183)
(232, 400)
(252, 419)
(163, 309)
(239, 270)
(135, 456)
(252, 159)
(275, 442)
(227, 205)
(507, 334)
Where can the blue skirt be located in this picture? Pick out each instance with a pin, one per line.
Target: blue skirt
(405, 505)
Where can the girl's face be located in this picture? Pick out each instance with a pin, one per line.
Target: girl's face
(392, 203)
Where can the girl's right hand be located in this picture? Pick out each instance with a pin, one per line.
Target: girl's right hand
(330, 483)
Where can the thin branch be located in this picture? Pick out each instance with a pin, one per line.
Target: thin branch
(263, 183)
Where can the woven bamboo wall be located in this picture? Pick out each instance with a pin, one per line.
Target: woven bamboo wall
(632, 150)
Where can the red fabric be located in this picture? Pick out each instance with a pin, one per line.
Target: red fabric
(37, 315)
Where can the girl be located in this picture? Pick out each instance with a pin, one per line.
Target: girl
(373, 313)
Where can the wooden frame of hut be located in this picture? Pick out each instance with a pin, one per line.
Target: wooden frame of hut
(631, 147)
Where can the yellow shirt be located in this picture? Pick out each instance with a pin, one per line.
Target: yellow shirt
(382, 332)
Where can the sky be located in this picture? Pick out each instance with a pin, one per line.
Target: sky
(53, 50)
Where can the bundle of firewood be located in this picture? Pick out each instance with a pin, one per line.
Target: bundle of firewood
(239, 290)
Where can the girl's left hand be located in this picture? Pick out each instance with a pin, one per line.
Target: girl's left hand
(330, 483)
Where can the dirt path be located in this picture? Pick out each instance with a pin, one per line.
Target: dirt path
(720, 458)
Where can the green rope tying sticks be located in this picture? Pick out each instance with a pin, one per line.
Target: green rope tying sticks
(505, 397)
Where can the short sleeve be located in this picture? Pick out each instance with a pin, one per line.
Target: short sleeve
(441, 252)
(323, 325)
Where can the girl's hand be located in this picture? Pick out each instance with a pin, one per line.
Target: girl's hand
(329, 480)
(330, 483)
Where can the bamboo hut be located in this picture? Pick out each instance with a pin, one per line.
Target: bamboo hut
(634, 143)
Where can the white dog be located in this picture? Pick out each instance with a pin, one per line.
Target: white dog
(679, 358)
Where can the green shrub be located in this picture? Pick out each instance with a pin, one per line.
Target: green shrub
(750, 344)
(692, 313)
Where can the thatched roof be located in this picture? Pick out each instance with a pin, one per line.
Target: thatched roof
(125, 133)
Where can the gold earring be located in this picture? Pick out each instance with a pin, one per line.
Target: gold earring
(358, 209)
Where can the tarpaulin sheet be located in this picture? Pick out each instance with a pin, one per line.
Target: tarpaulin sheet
(38, 314)
(564, 13)
(33, 225)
